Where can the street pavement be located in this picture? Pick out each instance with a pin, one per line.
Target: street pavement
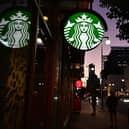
(84, 120)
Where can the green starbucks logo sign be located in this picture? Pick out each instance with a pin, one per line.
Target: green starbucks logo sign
(84, 30)
(15, 28)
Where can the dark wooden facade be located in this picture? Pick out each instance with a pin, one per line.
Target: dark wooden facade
(36, 81)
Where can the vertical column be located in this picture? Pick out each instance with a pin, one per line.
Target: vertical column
(17, 75)
(31, 69)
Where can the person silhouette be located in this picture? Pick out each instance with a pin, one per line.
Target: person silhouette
(112, 103)
(92, 85)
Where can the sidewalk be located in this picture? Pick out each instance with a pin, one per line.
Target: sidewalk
(84, 120)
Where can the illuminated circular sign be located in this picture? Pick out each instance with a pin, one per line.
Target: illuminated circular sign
(84, 30)
(15, 28)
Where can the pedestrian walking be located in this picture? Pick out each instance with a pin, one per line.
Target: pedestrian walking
(92, 85)
(112, 103)
(93, 97)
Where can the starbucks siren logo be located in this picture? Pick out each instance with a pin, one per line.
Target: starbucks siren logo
(84, 31)
(14, 29)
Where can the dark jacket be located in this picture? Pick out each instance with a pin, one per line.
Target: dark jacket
(92, 84)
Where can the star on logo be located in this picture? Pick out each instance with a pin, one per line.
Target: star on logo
(69, 25)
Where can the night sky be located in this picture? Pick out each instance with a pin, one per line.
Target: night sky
(94, 56)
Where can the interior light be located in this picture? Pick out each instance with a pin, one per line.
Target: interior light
(108, 41)
(45, 18)
(113, 84)
(123, 80)
(39, 41)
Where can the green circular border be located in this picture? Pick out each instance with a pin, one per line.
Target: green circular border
(96, 17)
(7, 13)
